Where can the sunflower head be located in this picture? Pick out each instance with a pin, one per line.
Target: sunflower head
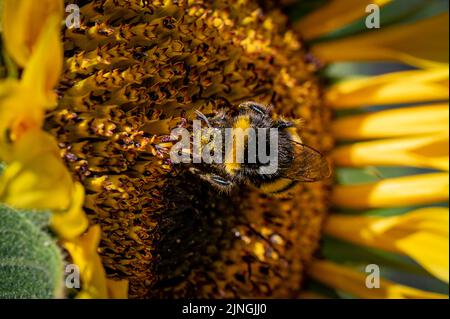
(132, 74)
(88, 121)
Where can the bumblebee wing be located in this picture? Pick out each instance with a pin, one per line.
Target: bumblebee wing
(308, 165)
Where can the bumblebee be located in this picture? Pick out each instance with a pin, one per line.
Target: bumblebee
(296, 161)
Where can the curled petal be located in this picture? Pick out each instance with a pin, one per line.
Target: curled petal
(45, 65)
(36, 177)
(73, 222)
(23, 22)
(83, 251)
(19, 114)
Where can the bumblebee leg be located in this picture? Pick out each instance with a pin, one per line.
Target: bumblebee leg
(255, 108)
(283, 124)
(202, 117)
(220, 182)
(220, 119)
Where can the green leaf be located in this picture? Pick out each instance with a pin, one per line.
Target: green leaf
(40, 219)
(31, 265)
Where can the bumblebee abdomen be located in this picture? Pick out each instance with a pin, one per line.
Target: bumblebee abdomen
(277, 186)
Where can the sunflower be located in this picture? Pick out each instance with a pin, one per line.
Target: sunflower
(85, 111)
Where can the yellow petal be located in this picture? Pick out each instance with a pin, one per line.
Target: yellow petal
(18, 114)
(83, 251)
(429, 151)
(73, 222)
(397, 87)
(400, 122)
(333, 15)
(36, 178)
(117, 289)
(45, 65)
(354, 282)
(394, 192)
(421, 234)
(423, 44)
(23, 21)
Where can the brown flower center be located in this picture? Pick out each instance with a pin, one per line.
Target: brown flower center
(132, 71)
